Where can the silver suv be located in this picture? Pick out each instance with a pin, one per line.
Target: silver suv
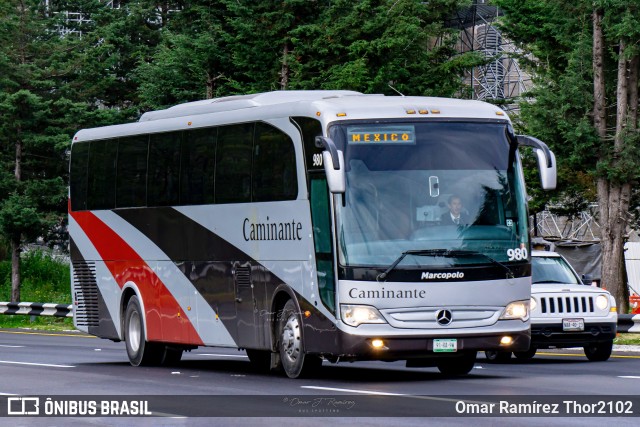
(565, 312)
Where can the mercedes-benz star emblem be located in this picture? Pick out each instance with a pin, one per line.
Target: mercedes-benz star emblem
(444, 317)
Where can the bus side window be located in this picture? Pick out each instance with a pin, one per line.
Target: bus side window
(164, 169)
(274, 165)
(233, 163)
(78, 176)
(198, 166)
(101, 186)
(131, 178)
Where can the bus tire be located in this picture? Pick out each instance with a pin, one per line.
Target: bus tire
(140, 352)
(293, 359)
(598, 352)
(457, 366)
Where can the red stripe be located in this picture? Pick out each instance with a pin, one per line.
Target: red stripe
(166, 321)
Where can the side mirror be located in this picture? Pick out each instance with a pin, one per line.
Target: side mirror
(587, 279)
(333, 161)
(546, 161)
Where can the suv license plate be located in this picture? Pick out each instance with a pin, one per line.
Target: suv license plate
(445, 346)
(573, 324)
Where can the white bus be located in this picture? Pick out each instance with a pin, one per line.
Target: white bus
(305, 226)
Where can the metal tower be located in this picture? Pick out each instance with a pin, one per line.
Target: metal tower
(501, 79)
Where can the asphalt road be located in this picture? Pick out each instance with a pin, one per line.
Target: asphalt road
(222, 382)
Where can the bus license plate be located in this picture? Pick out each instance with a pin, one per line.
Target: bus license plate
(445, 346)
(573, 324)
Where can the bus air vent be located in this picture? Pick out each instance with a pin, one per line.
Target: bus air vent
(85, 294)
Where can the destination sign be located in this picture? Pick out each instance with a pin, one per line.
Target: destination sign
(381, 134)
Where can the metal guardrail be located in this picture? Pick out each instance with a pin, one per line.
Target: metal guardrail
(627, 323)
(36, 309)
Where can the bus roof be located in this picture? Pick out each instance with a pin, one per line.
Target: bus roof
(325, 105)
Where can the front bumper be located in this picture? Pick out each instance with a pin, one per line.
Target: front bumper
(354, 347)
(548, 335)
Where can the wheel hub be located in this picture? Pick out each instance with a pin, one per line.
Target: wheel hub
(291, 338)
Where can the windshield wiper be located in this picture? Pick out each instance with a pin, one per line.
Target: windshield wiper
(447, 253)
(550, 281)
(415, 252)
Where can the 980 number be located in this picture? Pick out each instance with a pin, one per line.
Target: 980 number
(517, 254)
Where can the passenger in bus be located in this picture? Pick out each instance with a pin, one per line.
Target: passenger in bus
(456, 215)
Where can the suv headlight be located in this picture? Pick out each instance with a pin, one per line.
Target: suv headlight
(602, 302)
(355, 315)
(516, 310)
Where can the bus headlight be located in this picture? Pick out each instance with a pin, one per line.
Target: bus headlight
(602, 302)
(355, 315)
(516, 310)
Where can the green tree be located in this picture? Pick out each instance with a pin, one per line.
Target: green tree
(382, 46)
(32, 183)
(586, 98)
(194, 58)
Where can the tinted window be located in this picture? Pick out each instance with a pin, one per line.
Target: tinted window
(164, 169)
(78, 176)
(310, 128)
(552, 270)
(101, 189)
(132, 171)
(198, 166)
(233, 163)
(274, 165)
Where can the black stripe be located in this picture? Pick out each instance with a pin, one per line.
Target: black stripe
(209, 262)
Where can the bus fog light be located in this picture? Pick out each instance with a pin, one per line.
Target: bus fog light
(602, 302)
(516, 310)
(355, 315)
(506, 340)
(377, 343)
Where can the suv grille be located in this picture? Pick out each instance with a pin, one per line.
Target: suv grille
(566, 304)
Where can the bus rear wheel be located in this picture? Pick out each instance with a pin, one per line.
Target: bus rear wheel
(295, 362)
(140, 352)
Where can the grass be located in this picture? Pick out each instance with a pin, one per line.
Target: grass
(45, 280)
(627, 339)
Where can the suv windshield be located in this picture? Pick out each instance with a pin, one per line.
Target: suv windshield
(552, 270)
(415, 186)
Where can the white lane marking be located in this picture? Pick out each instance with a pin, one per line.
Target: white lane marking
(382, 393)
(11, 346)
(8, 394)
(36, 364)
(221, 355)
(633, 377)
(348, 390)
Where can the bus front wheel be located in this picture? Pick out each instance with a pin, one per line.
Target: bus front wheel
(295, 362)
(140, 352)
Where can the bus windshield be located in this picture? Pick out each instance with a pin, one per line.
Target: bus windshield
(421, 186)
